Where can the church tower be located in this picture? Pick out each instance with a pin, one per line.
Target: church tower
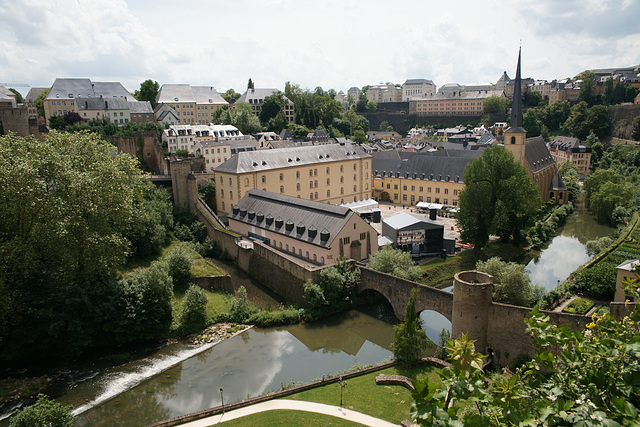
(515, 135)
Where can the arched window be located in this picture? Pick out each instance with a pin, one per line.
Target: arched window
(316, 195)
(354, 177)
(223, 206)
(231, 195)
(315, 257)
(322, 260)
(310, 184)
(246, 182)
(307, 254)
(281, 177)
(310, 172)
(328, 193)
(222, 193)
(315, 183)
(328, 171)
(298, 186)
(315, 172)
(513, 139)
(328, 181)
(264, 179)
(282, 188)
(298, 174)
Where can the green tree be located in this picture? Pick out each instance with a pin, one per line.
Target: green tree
(498, 198)
(57, 122)
(568, 171)
(593, 182)
(39, 102)
(140, 305)
(271, 106)
(587, 87)
(208, 193)
(45, 412)
(359, 136)
(532, 123)
(630, 93)
(371, 106)
(148, 92)
(250, 84)
(241, 307)
(277, 123)
(179, 263)
(194, 310)
(608, 92)
(395, 262)
(19, 98)
(154, 221)
(533, 99)
(495, 104)
(231, 96)
(556, 115)
(241, 116)
(635, 135)
(410, 340)
(609, 196)
(511, 282)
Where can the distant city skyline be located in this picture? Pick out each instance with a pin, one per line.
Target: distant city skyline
(334, 44)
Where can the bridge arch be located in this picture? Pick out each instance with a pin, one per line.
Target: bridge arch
(433, 323)
(397, 291)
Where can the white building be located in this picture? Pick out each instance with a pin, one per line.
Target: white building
(184, 137)
(418, 87)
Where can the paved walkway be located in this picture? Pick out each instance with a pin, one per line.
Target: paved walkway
(297, 405)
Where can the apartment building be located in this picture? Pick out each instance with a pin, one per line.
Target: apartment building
(565, 148)
(255, 98)
(192, 104)
(330, 173)
(184, 137)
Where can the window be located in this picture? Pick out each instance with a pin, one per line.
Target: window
(222, 193)
(281, 177)
(310, 196)
(328, 193)
(231, 195)
(413, 188)
(310, 172)
(282, 188)
(395, 196)
(230, 183)
(298, 186)
(315, 183)
(341, 168)
(395, 186)
(404, 187)
(404, 197)
(315, 172)
(354, 166)
(298, 174)
(328, 171)
(341, 190)
(455, 192)
(354, 177)
(246, 182)
(446, 191)
(388, 186)
(341, 179)
(310, 184)
(355, 188)
(428, 199)
(446, 201)
(363, 236)
(316, 195)
(437, 190)
(307, 254)
(346, 240)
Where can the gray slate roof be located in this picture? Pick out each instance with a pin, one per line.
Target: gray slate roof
(187, 93)
(434, 166)
(262, 160)
(418, 81)
(87, 104)
(537, 154)
(33, 93)
(85, 88)
(271, 211)
(140, 107)
(568, 143)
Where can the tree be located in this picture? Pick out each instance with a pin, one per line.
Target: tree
(609, 196)
(396, 262)
(532, 123)
(277, 123)
(208, 193)
(154, 222)
(57, 122)
(597, 179)
(635, 135)
(568, 171)
(148, 92)
(250, 84)
(241, 116)
(39, 102)
(45, 412)
(498, 198)
(231, 96)
(409, 340)
(557, 114)
(495, 104)
(179, 263)
(194, 310)
(608, 92)
(532, 99)
(271, 106)
(630, 93)
(71, 118)
(19, 98)
(587, 87)
(359, 136)
(371, 106)
(511, 283)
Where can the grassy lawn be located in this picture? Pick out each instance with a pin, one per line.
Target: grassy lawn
(219, 302)
(289, 418)
(390, 403)
(200, 267)
(441, 272)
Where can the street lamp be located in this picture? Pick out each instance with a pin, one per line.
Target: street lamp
(222, 398)
(343, 384)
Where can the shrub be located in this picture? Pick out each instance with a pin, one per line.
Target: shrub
(511, 283)
(596, 246)
(579, 306)
(275, 318)
(179, 268)
(194, 310)
(598, 281)
(241, 307)
(45, 412)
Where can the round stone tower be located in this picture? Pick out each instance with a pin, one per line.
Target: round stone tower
(472, 300)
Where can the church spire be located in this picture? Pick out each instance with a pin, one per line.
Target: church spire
(516, 107)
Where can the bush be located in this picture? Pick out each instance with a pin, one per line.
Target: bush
(596, 246)
(241, 307)
(179, 268)
(140, 306)
(194, 310)
(396, 262)
(598, 281)
(275, 318)
(511, 283)
(45, 412)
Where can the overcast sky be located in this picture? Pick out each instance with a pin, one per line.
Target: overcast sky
(329, 43)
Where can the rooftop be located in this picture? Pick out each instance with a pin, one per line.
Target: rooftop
(172, 93)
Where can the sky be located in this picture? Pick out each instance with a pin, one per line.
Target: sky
(330, 43)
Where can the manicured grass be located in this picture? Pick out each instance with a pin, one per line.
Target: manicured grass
(219, 302)
(390, 403)
(289, 418)
(579, 306)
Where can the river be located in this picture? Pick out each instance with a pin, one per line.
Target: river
(566, 252)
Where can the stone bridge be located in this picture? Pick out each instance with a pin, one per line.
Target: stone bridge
(397, 291)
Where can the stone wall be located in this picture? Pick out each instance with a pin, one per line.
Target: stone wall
(623, 118)
(216, 283)
(398, 291)
(17, 120)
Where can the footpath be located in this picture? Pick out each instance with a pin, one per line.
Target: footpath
(296, 405)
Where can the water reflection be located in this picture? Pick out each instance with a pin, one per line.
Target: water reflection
(433, 323)
(254, 363)
(566, 252)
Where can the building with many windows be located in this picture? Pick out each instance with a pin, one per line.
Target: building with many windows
(406, 177)
(454, 103)
(417, 88)
(565, 148)
(255, 98)
(330, 173)
(184, 137)
(192, 104)
(64, 95)
(316, 232)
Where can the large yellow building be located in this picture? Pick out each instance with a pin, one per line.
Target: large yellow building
(193, 104)
(461, 103)
(409, 177)
(330, 173)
